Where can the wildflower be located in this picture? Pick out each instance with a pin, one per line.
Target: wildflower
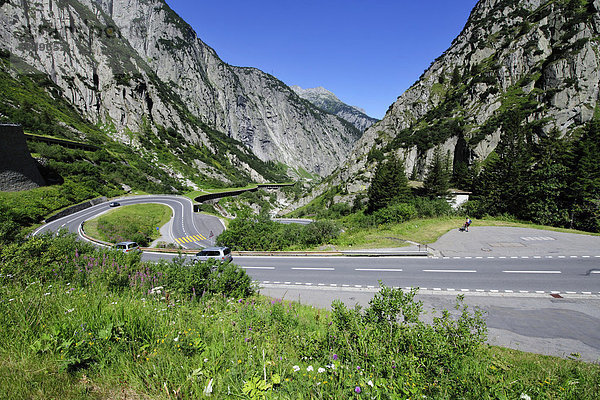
(208, 389)
(310, 368)
(357, 389)
(321, 370)
(370, 383)
(296, 368)
(335, 357)
(176, 339)
(47, 294)
(70, 310)
(524, 397)
(330, 366)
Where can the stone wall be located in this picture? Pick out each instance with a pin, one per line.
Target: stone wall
(76, 208)
(18, 170)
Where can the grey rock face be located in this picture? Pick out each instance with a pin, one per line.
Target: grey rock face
(18, 170)
(326, 100)
(509, 51)
(124, 62)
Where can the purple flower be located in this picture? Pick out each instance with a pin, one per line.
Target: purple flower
(357, 389)
(335, 357)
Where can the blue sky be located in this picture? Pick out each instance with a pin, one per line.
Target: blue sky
(368, 52)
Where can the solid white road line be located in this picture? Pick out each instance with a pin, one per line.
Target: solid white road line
(532, 272)
(314, 269)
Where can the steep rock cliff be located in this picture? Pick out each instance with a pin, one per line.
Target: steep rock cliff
(126, 63)
(533, 60)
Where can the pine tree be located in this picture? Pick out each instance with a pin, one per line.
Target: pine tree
(437, 181)
(545, 194)
(505, 177)
(585, 181)
(389, 185)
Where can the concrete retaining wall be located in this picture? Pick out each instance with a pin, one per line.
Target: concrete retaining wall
(18, 170)
(76, 208)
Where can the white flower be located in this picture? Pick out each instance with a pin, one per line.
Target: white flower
(370, 383)
(70, 310)
(524, 397)
(331, 366)
(176, 339)
(208, 389)
(296, 368)
(321, 370)
(310, 368)
(47, 294)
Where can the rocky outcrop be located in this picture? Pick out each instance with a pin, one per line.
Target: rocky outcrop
(127, 63)
(533, 59)
(18, 170)
(327, 101)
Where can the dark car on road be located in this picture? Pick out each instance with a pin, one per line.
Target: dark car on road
(114, 204)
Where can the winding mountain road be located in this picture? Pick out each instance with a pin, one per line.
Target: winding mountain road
(191, 230)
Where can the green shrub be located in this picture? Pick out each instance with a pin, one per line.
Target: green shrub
(250, 232)
(395, 213)
(413, 354)
(429, 208)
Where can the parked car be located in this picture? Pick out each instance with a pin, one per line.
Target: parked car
(114, 204)
(222, 254)
(128, 247)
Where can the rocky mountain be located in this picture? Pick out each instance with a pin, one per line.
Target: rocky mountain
(135, 68)
(535, 62)
(327, 101)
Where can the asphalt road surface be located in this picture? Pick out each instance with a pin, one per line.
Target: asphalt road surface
(188, 229)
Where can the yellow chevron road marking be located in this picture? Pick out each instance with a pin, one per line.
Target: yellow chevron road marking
(190, 239)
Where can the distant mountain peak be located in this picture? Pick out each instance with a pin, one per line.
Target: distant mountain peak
(328, 101)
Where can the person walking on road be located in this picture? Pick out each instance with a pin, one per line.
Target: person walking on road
(467, 224)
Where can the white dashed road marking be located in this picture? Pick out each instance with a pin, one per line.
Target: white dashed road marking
(460, 271)
(532, 272)
(378, 269)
